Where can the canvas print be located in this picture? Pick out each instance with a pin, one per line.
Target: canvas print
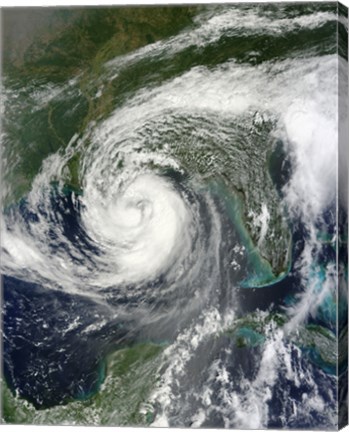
(174, 215)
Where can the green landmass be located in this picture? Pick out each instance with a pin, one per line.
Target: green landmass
(76, 43)
(316, 341)
(121, 401)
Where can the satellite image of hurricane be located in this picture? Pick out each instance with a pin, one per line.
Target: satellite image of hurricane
(173, 228)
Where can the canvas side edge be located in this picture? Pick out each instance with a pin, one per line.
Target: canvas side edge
(342, 216)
